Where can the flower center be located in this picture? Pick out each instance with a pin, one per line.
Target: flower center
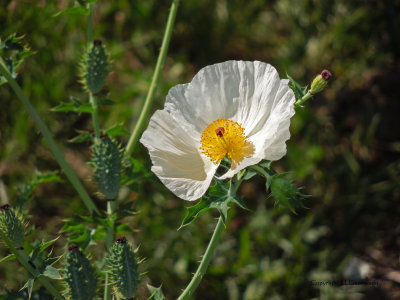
(225, 137)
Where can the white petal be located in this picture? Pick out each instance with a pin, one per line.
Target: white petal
(176, 158)
(269, 136)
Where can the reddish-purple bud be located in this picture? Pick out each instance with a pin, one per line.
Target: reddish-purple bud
(326, 75)
(122, 240)
(4, 207)
(97, 42)
(72, 248)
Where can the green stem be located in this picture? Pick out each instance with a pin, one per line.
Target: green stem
(261, 171)
(301, 101)
(90, 26)
(49, 139)
(24, 260)
(155, 81)
(188, 292)
(95, 115)
(109, 240)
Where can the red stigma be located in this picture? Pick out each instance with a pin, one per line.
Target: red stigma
(220, 131)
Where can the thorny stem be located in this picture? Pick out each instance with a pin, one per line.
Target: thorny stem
(110, 237)
(301, 101)
(154, 83)
(49, 139)
(201, 270)
(208, 255)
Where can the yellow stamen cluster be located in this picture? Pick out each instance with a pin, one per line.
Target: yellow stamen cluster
(225, 137)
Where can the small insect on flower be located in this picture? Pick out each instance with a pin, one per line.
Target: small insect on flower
(240, 110)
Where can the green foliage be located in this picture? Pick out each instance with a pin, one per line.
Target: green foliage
(156, 293)
(79, 276)
(107, 166)
(94, 68)
(299, 91)
(75, 106)
(82, 137)
(11, 226)
(122, 267)
(39, 178)
(218, 196)
(13, 52)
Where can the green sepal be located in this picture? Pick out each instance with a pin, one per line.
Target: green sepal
(94, 67)
(74, 105)
(24, 194)
(299, 90)
(155, 293)
(107, 165)
(11, 226)
(218, 196)
(122, 267)
(13, 53)
(79, 276)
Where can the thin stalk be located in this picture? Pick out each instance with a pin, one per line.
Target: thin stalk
(49, 139)
(24, 260)
(95, 115)
(109, 240)
(301, 101)
(201, 270)
(155, 80)
(90, 25)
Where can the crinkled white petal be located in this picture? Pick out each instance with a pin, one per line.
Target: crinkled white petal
(176, 158)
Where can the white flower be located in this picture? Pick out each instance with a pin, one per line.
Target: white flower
(241, 109)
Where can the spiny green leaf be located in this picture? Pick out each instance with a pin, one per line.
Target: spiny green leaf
(105, 102)
(74, 106)
(218, 196)
(52, 273)
(299, 91)
(29, 286)
(45, 245)
(8, 258)
(156, 293)
(83, 137)
(13, 53)
(116, 130)
(38, 179)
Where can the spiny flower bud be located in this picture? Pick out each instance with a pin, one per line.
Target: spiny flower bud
(79, 276)
(107, 164)
(94, 67)
(320, 82)
(123, 268)
(11, 226)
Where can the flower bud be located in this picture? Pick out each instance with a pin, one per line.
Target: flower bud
(320, 82)
(123, 268)
(79, 275)
(11, 226)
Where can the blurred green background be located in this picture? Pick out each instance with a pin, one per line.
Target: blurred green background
(344, 150)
